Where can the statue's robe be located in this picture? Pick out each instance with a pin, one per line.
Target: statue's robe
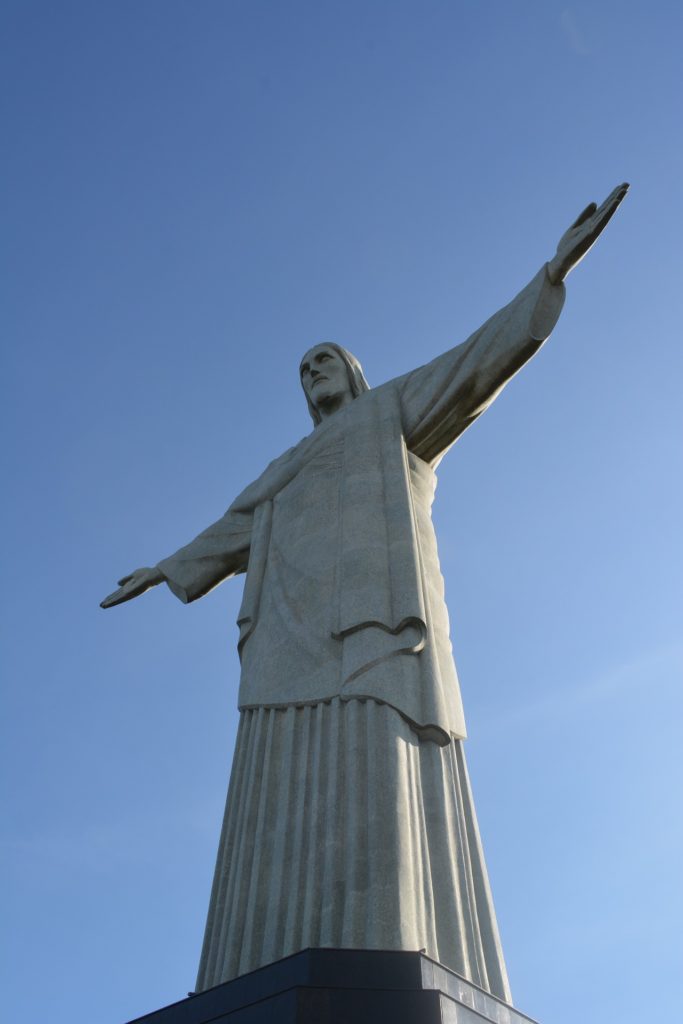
(349, 820)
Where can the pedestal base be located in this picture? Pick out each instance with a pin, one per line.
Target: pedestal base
(343, 986)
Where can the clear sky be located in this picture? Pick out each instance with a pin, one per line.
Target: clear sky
(195, 194)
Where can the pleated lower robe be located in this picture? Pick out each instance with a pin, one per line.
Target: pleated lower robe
(343, 829)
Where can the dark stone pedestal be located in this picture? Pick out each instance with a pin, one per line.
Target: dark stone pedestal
(343, 986)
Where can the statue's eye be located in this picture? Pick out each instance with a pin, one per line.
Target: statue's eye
(324, 357)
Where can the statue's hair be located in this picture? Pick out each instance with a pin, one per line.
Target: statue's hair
(357, 379)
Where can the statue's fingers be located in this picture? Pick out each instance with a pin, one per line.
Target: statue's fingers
(613, 199)
(585, 214)
(124, 593)
(606, 212)
(618, 193)
(122, 582)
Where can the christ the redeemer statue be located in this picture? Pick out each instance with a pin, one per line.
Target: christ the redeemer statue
(349, 821)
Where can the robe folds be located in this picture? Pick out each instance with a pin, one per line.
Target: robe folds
(343, 619)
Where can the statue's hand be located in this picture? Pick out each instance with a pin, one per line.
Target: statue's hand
(583, 233)
(133, 585)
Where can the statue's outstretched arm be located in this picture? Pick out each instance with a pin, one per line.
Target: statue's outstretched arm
(220, 551)
(440, 400)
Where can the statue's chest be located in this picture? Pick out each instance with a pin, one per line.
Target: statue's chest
(306, 511)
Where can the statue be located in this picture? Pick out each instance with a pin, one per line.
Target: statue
(349, 821)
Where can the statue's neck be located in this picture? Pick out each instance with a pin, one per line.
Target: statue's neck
(332, 405)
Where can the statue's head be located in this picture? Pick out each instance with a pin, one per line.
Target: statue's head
(331, 378)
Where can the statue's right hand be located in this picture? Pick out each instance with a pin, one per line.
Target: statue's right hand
(133, 585)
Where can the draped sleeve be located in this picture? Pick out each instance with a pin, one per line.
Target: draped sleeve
(441, 399)
(219, 552)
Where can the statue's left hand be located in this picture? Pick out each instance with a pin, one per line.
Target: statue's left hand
(583, 233)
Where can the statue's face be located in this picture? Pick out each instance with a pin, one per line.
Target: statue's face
(325, 377)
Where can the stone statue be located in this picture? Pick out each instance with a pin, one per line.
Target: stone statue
(349, 820)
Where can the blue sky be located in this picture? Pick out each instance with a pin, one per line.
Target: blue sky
(196, 193)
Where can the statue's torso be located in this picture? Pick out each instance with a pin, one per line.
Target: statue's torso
(291, 655)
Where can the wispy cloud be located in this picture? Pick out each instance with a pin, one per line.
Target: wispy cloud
(658, 668)
(99, 846)
(572, 33)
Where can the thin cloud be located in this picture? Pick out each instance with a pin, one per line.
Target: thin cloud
(658, 668)
(571, 30)
(100, 846)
